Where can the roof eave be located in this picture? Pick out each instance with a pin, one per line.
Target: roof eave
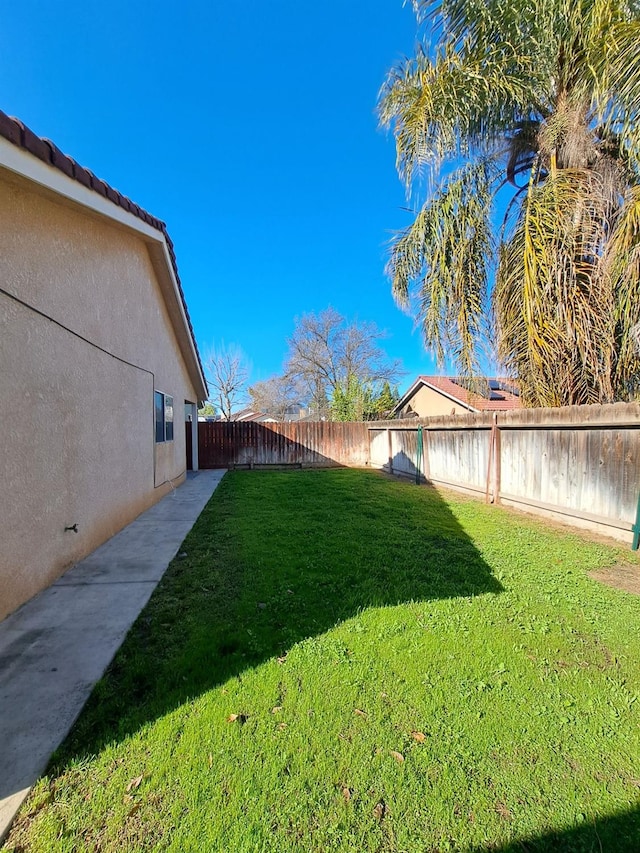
(40, 161)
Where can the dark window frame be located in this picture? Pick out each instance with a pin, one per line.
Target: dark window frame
(163, 416)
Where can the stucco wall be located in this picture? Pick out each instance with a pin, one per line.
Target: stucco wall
(428, 403)
(77, 421)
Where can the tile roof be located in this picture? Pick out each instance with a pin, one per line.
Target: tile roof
(449, 386)
(246, 414)
(16, 132)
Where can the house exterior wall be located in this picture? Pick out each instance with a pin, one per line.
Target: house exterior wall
(77, 385)
(426, 403)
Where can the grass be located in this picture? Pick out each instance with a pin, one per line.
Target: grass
(345, 662)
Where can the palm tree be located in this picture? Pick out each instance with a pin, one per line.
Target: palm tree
(530, 108)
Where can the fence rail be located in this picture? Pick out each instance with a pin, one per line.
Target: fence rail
(580, 463)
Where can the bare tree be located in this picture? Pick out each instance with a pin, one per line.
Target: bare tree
(325, 351)
(228, 373)
(275, 395)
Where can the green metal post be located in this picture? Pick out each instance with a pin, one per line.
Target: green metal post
(636, 528)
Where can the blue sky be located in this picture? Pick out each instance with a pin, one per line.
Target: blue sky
(250, 128)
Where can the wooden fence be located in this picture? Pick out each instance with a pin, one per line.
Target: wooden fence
(580, 464)
(248, 444)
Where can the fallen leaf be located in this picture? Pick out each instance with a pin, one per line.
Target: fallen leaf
(283, 658)
(134, 783)
(128, 798)
(503, 811)
(210, 760)
(399, 757)
(289, 592)
(360, 713)
(282, 726)
(380, 810)
(241, 718)
(418, 736)
(346, 793)
(276, 709)
(134, 809)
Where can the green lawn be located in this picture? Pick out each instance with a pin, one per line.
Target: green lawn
(346, 662)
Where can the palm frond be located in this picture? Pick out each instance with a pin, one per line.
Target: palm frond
(554, 295)
(451, 106)
(439, 265)
(623, 256)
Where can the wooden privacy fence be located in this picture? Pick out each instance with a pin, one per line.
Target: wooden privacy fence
(581, 463)
(578, 462)
(250, 444)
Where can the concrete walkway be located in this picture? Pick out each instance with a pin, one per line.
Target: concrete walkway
(55, 647)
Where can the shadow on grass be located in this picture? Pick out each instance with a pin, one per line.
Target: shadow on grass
(275, 558)
(619, 831)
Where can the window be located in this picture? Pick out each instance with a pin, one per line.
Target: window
(163, 405)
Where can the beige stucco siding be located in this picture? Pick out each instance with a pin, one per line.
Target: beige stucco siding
(77, 421)
(426, 402)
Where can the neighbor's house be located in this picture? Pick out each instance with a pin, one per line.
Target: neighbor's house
(249, 414)
(441, 395)
(99, 371)
(295, 412)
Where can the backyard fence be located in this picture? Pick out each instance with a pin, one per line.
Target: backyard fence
(249, 444)
(579, 463)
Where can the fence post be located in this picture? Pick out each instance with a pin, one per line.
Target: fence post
(419, 456)
(390, 450)
(497, 461)
(492, 436)
(425, 454)
(493, 465)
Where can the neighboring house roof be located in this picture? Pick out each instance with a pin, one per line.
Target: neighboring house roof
(502, 397)
(249, 414)
(291, 413)
(17, 133)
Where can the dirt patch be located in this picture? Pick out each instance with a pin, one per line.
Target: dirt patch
(624, 576)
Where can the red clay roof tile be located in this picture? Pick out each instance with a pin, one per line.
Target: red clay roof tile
(60, 160)
(81, 175)
(10, 129)
(34, 144)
